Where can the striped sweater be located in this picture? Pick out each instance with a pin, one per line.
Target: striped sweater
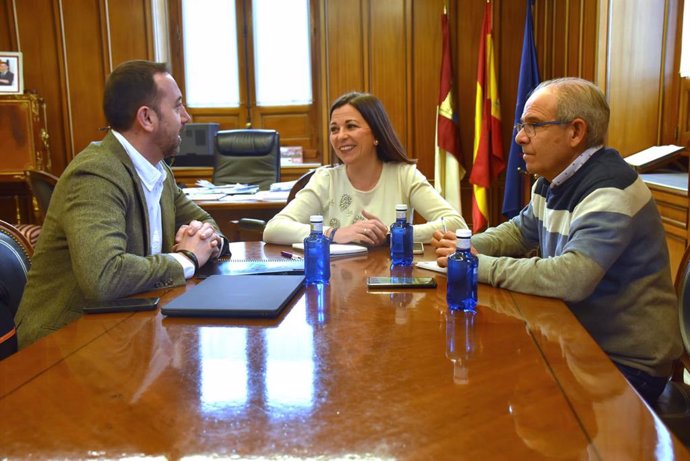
(602, 250)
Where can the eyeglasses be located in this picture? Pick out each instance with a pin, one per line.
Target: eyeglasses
(531, 128)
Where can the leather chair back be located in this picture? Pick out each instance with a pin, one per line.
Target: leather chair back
(247, 157)
(15, 261)
(673, 406)
(42, 185)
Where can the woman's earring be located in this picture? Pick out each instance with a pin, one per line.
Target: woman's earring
(376, 142)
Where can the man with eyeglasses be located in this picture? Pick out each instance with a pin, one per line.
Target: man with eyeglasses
(597, 232)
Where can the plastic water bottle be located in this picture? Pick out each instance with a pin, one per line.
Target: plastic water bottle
(401, 238)
(317, 253)
(462, 274)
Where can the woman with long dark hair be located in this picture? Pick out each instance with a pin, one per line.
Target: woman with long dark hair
(357, 197)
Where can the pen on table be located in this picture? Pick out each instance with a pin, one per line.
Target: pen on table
(287, 254)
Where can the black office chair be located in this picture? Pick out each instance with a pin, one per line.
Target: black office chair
(247, 157)
(673, 406)
(42, 185)
(15, 261)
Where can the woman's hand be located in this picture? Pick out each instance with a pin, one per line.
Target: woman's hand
(371, 232)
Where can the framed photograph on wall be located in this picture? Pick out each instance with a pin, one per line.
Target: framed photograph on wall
(11, 72)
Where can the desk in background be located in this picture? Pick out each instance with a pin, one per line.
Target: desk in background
(224, 213)
(343, 373)
(670, 192)
(288, 172)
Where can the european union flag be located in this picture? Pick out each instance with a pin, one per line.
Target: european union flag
(529, 79)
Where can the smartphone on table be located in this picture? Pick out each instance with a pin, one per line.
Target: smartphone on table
(401, 282)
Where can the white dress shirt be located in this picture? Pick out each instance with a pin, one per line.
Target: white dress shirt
(152, 178)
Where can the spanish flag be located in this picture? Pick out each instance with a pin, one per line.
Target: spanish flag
(488, 148)
(448, 171)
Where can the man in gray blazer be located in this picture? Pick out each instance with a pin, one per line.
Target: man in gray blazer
(117, 222)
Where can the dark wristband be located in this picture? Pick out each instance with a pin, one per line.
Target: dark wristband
(192, 257)
(332, 234)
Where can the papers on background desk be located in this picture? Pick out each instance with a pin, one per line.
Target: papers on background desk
(204, 195)
(208, 191)
(282, 186)
(261, 196)
(431, 266)
(653, 157)
(339, 249)
(203, 185)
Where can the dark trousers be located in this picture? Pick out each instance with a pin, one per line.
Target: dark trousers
(648, 386)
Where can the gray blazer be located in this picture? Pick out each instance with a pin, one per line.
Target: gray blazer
(94, 244)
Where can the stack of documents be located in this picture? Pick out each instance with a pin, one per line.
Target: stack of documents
(282, 186)
(208, 191)
(653, 157)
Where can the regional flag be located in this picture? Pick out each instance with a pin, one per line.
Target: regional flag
(488, 147)
(448, 171)
(513, 200)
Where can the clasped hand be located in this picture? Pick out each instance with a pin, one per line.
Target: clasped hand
(371, 231)
(199, 238)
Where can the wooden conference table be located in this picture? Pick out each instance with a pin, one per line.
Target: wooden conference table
(344, 373)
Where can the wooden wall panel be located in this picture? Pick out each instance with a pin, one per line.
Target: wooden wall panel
(85, 70)
(345, 48)
(670, 123)
(634, 74)
(67, 47)
(588, 40)
(8, 40)
(467, 21)
(295, 129)
(125, 16)
(226, 121)
(41, 44)
(425, 79)
(565, 36)
(387, 53)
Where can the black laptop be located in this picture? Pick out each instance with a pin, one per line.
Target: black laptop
(244, 296)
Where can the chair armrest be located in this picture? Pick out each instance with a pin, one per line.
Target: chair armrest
(251, 224)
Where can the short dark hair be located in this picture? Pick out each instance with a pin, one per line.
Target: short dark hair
(389, 148)
(130, 86)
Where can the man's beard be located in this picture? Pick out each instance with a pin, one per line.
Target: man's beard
(173, 149)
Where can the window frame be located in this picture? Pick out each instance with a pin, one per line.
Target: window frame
(247, 112)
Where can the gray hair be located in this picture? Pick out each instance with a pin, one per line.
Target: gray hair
(579, 98)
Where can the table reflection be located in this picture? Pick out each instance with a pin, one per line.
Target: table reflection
(402, 299)
(223, 368)
(290, 363)
(461, 342)
(317, 299)
(272, 367)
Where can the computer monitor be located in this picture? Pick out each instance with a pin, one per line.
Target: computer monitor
(198, 144)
